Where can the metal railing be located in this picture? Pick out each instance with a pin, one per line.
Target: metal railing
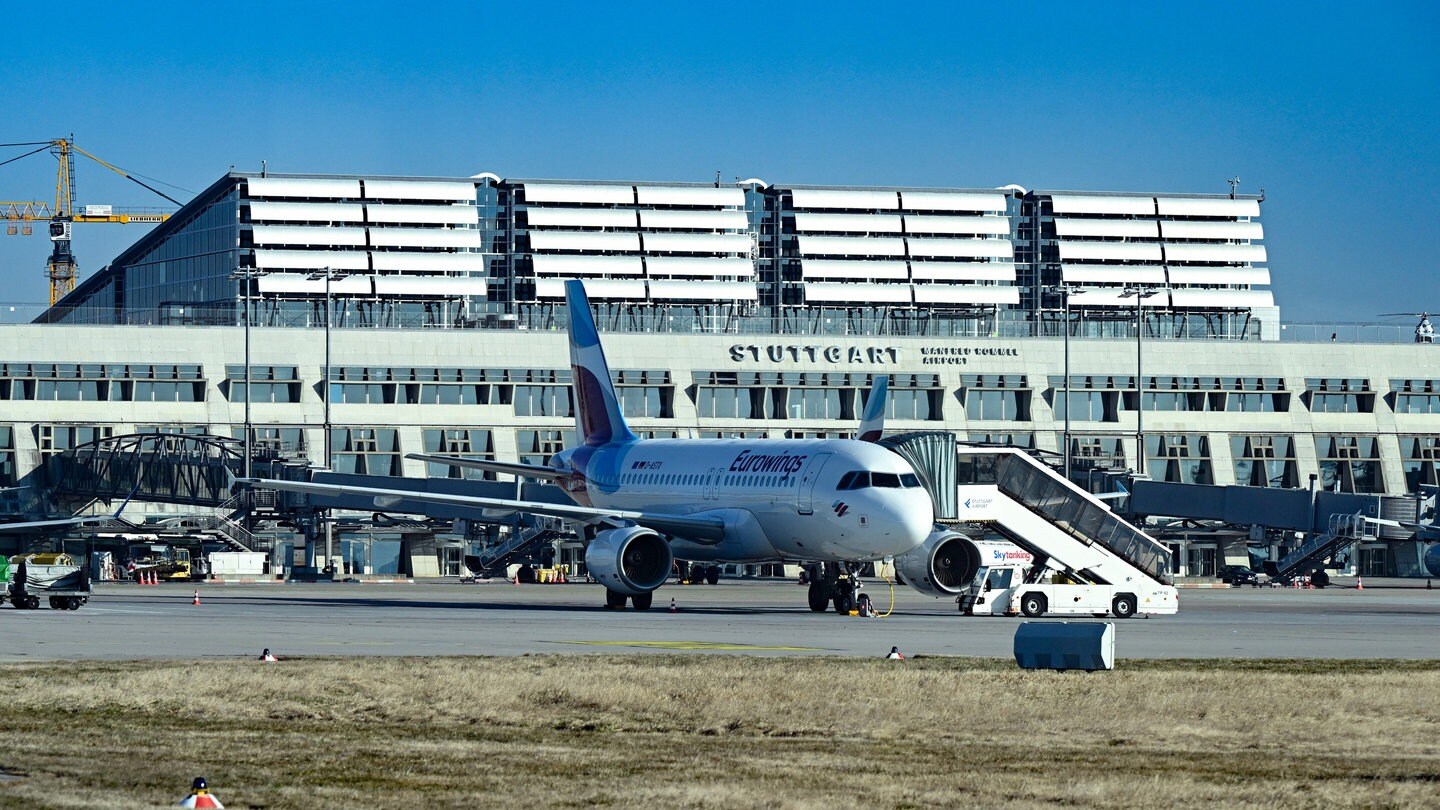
(1342, 530)
(684, 320)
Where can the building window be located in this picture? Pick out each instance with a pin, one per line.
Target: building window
(1416, 396)
(1026, 440)
(275, 384)
(365, 451)
(1420, 457)
(461, 442)
(1008, 406)
(175, 430)
(726, 403)
(544, 400)
(283, 442)
(732, 434)
(1265, 461)
(537, 446)
(1179, 458)
(1097, 452)
(646, 401)
(7, 457)
(1349, 395)
(55, 439)
(919, 404)
(1349, 463)
(1088, 406)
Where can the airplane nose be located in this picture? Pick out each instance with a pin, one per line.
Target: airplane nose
(914, 516)
(919, 516)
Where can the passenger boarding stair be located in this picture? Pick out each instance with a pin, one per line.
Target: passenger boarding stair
(1343, 532)
(1057, 521)
(526, 537)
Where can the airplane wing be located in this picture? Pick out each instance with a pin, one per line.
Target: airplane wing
(505, 467)
(697, 528)
(91, 520)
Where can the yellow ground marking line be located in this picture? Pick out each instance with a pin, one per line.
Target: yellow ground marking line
(690, 645)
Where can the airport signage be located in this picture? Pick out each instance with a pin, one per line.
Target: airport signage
(834, 355)
(857, 355)
(960, 355)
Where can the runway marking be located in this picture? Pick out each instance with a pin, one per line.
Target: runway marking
(691, 645)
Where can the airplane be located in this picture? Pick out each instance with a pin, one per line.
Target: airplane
(642, 503)
(74, 521)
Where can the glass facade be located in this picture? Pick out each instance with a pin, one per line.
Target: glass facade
(486, 252)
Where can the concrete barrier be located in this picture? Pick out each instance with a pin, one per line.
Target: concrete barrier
(1065, 645)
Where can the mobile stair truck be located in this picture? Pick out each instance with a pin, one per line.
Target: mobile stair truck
(1087, 560)
(59, 577)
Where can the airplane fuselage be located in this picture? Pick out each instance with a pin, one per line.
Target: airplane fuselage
(780, 499)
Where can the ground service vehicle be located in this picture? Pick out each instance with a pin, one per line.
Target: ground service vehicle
(163, 560)
(1238, 575)
(58, 577)
(1010, 590)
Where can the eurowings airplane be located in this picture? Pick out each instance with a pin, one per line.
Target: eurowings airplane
(645, 502)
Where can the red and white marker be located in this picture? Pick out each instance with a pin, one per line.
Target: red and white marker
(200, 795)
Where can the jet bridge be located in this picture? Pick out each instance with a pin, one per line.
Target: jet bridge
(1055, 520)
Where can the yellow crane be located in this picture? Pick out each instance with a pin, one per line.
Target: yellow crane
(61, 269)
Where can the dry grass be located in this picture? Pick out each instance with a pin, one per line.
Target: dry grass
(712, 731)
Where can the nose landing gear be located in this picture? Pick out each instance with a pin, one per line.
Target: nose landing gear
(834, 584)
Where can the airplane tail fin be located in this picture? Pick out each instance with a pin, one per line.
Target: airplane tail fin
(872, 422)
(598, 418)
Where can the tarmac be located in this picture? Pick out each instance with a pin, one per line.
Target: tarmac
(750, 617)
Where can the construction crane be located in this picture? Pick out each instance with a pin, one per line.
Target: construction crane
(61, 269)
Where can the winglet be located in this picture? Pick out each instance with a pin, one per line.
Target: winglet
(598, 418)
(872, 422)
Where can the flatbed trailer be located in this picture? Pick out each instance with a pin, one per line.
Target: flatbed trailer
(63, 582)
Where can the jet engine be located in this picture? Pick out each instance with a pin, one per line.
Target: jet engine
(943, 565)
(631, 560)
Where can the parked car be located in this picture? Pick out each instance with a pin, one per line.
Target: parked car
(1238, 575)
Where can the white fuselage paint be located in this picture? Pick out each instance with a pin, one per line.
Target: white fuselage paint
(778, 497)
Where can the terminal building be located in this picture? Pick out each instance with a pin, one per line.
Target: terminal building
(350, 320)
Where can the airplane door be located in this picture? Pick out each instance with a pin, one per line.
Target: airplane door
(712, 479)
(804, 504)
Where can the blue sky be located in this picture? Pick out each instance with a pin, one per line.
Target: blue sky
(1332, 109)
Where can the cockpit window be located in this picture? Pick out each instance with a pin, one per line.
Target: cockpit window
(910, 480)
(886, 480)
(856, 479)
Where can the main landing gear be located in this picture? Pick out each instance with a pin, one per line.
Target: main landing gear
(834, 584)
(697, 573)
(614, 600)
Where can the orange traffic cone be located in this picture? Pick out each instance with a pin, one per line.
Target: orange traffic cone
(1359, 584)
(196, 601)
(673, 609)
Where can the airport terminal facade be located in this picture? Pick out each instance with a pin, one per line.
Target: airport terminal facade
(740, 310)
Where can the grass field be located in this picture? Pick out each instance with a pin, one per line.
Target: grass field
(720, 731)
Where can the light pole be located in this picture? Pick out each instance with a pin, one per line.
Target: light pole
(1140, 293)
(1065, 291)
(328, 274)
(245, 276)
